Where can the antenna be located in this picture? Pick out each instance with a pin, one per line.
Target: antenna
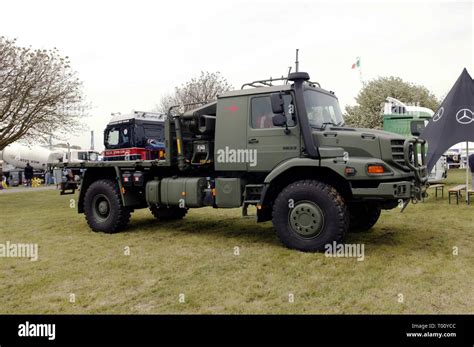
(297, 63)
(288, 76)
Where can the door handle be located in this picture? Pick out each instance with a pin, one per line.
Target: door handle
(368, 136)
(253, 141)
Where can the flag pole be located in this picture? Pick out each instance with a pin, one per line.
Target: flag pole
(467, 171)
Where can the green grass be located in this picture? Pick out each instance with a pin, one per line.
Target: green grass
(409, 254)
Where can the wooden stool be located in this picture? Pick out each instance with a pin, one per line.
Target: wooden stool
(456, 191)
(438, 187)
(469, 193)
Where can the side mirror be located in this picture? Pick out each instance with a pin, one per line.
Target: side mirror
(277, 103)
(279, 120)
(416, 127)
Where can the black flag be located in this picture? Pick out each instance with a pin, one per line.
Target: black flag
(453, 122)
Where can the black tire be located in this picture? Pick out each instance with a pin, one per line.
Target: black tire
(320, 210)
(363, 216)
(168, 213)
(103, 207)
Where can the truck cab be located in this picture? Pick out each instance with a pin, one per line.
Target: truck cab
(79, 156)
(310, 131)
(138, 136)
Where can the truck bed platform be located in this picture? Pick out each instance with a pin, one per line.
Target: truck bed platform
(121, 164)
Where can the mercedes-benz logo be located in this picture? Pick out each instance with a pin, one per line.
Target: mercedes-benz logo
(465, 116)
(438, 114)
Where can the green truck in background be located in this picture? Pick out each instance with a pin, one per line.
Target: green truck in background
(410, 120)
(282, 148)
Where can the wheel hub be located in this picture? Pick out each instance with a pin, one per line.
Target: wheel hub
(306, 219)
(101, 207)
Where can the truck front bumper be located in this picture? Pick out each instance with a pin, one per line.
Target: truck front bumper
(409, 188)
(387, 190)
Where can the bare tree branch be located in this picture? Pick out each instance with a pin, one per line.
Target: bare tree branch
(39, 94)
(206, 87)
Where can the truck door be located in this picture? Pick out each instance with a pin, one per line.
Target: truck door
(269, 145)
(231, 133)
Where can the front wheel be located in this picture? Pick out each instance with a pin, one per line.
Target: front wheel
(103, 207)
(308, 215)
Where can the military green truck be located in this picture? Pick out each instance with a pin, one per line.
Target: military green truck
(282, 147)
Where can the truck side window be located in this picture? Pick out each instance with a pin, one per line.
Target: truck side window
(261, 112)
(125, 138)
(153, 133)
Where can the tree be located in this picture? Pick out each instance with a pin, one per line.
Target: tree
(369, 109)
(40, 95)
(204, 88)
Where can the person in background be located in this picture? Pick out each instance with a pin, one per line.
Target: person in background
(28, 174)
(57, 177)
(471, 167)
(47, 178)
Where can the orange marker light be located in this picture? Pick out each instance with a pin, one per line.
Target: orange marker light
(178, 143)
(349, 171)
(375, 169)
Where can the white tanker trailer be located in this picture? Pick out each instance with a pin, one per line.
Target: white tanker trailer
(16, 156)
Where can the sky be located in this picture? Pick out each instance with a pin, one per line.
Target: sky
(130, 53)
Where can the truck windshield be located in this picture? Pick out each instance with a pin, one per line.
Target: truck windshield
(322, 109)
(117, 137)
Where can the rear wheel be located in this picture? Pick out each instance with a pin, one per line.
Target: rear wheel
(168, 213)
(103, 207)
(308, 215)
(363, 216)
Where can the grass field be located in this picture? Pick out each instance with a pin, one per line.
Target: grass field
(409, 255)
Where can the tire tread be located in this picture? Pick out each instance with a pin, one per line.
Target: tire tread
(123, 219)
(322, 188)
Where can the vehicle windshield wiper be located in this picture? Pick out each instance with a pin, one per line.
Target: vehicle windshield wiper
(322, 126)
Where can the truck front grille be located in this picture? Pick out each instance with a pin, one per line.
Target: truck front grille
(397, 153)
